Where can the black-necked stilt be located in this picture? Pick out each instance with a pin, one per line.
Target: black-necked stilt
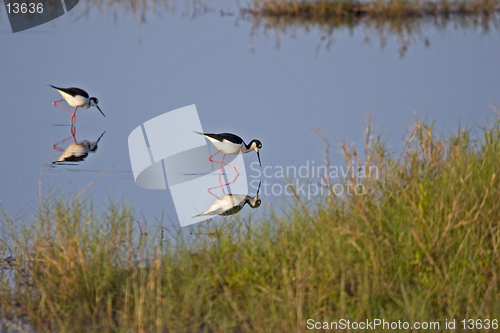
(76, 97)
(230, 204)
(231, 144)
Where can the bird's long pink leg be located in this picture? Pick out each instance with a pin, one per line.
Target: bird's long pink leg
(222, 163)
(60, 107)
(210, 158)
(73, 117)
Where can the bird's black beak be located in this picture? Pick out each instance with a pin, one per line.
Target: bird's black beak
(97, 106)
(259, 159)
(258, 189)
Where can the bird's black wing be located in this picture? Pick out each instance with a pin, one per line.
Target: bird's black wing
(225, 136)
(75, 158)
(73, 91)
(233, 210)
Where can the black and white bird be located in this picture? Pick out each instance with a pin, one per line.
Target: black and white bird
(78, 151)
(231, 144)
(76, 97)
(230, 204)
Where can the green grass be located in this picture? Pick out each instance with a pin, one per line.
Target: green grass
(421, 245)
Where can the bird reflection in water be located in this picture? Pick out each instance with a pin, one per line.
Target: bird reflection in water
(230, 204)
(76, 151)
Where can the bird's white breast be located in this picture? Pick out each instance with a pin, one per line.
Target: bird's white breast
(224, 203)
(75, 100)
(75, 150)
(227, 147)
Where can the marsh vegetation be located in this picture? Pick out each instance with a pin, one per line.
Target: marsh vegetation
(421, 245)
(405, 20)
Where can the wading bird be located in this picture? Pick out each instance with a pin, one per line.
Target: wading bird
(231, 144)
(76, 97)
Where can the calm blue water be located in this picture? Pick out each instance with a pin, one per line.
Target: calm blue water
(240, 81)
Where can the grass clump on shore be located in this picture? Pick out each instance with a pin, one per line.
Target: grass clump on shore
(406, 20)
(421, 245)
(384, 8)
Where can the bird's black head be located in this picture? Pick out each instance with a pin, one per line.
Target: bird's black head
(93, 102)
(255, 201)
(255, 204)
(257, 146)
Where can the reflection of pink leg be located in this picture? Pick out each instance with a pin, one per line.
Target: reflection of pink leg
(220, 182)
(211, 188)
(55, 145)
(208, 190)
(222, 186)
(73, 133)
(55, 104)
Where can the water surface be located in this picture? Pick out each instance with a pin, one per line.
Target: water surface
(272, 83)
